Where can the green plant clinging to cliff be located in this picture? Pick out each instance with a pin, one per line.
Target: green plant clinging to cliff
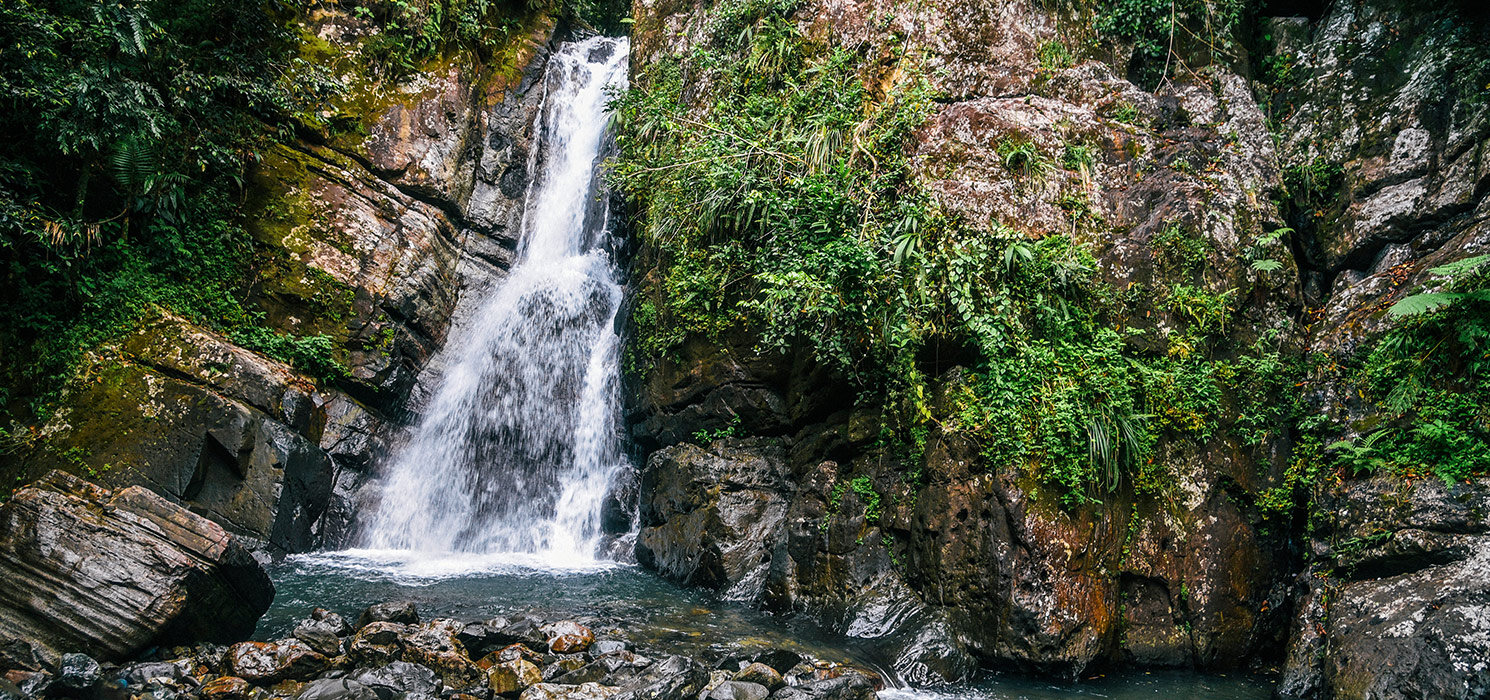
(129, 126)
(1429, 377)
(781, 200)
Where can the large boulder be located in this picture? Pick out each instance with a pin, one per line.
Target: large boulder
(112, 572)
(710, 517)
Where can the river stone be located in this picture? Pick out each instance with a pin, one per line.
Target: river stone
(476, 637)
(761, 674)
(375, 644)
(270, 662)
(142, 673)
(399, 676)
(520, 631)
(567, 637)
(850, 685)
(31, 683)
(402, 612)
(113, 572)
(434, 646)
(739, 690)
(568, 666)
(509, 653)
(226, 688)
(512, 676)
(602, 647)
(78, 672)
(320, 636)
(673, 678)
(336, 689)
(554, 691)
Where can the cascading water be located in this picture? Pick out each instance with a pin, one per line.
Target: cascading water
(516, 448)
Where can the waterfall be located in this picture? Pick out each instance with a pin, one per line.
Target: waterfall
(517, 446)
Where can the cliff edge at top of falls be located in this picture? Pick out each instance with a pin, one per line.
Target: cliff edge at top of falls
(1301, 188)
(367, 234)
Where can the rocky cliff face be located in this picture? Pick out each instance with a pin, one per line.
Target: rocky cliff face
(814, 514)
(369, 234)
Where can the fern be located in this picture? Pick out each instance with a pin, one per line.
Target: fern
(133, 165)
(1417, 304)
(1268, 265)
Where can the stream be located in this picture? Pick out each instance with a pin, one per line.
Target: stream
(658, 614)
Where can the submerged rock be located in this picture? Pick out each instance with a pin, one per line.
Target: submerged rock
(113, 572)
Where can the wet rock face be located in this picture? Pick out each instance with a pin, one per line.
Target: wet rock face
(1396, 606)
(1408, 142)
(112, 572)
(370, 237)
(713, 517)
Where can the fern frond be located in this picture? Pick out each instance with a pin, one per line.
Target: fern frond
(1423, 303)
(1459, 267)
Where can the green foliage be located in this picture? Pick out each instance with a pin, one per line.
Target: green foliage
(1177, 250)
(1078, 157)
(1416, 304)
(864, 488)
(1156, 27)
(1125, 113)
(1024, 157)
(1206, 312)
(129, 127)
(1312, 183)
(1263, 246)
(1429, 377)
(705, 436)
(313, 354)
(414, 31)
(1053, 55)
(779, 201)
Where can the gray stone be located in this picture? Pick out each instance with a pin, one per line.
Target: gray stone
(114, 572)
(336, 689)
(739, 690)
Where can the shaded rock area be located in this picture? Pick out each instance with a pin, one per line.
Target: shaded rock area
(518, 658)
(960, 563)
(1397, 604)
(111, 573)
(369, 238)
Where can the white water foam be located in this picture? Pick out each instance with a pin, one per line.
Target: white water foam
(513, 455)
(412, 568)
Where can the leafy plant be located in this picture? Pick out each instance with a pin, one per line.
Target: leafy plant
(1053, 55)
(1417, 304)
(1024, 157)
(704, 436)
(1176, 249)
(1154, 27)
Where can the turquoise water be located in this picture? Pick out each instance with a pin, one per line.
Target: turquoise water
(652, 613)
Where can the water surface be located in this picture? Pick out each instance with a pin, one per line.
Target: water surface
(654, 613)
